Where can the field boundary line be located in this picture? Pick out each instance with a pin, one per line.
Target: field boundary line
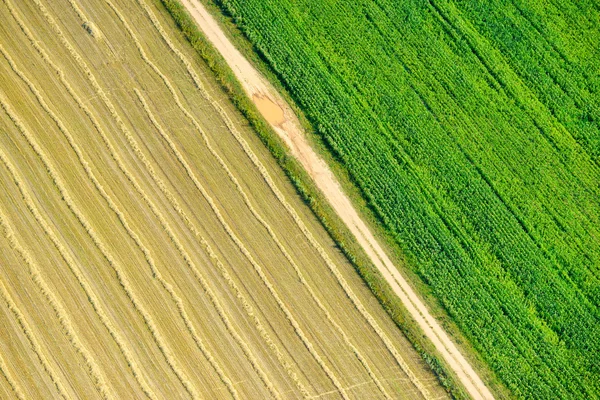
(291, 133)
(588, 302)
(29, 334)
(97, 375)
(401, 363)
(332, 267)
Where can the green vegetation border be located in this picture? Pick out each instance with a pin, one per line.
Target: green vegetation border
(311, 195)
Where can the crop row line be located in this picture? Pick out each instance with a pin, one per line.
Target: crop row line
(68, 259)
(332, 267)
(115, 209)
(223, 271)
(152, 327)
(12, 382)
(253, 361)
(266, 282)
(500, 69)
(186, 257)
(57, 181)
(62, 316)
(571, 276)
(244, 301)
(123, 281)
(29, 334)
(226, 380)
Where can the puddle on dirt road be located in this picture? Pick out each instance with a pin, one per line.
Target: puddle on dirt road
(271, 111)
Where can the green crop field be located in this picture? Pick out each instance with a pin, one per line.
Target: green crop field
(150, 246)
(472, 131)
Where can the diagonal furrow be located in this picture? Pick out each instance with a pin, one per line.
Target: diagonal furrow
(64, 253)
(29, 334)
(63, 318)
(14, 385)
(122, 279)
(251, 358)
(148, 320)
(222, 270)
(168, 287)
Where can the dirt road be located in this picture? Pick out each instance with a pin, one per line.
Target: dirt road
(286, 124)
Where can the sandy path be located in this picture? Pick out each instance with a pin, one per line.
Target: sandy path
(286, 124)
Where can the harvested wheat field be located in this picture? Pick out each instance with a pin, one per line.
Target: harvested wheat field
(150, 246)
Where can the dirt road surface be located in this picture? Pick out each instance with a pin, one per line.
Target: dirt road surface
(278, 113)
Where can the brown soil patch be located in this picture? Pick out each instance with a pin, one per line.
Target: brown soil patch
(269, 109)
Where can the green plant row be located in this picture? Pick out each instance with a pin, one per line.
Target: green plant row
(471, 132)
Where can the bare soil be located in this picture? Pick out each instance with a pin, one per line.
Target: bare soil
(269, 109)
